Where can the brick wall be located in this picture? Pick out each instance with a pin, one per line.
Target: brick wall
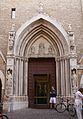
(64, 11)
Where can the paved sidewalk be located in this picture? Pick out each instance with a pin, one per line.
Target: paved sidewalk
(38, 114)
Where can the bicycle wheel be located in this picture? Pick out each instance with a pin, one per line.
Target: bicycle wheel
(60, 107)
(71, 110)
(4, 117)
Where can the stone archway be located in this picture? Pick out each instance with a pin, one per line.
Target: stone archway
(41, 79)
(2, 74)
(2, 77)
(41, 37)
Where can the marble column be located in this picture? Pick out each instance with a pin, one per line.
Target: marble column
(17, 77)
(66, 77)
(57, 77)
(62, 78)
(26, 77)
(21, 78)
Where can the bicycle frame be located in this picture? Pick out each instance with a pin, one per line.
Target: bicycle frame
(62, 107)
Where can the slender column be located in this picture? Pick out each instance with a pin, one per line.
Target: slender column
(57, 76)
(21, 78)
(21, 74)
(64, 82)
(17, 80)
(69, 77)
(66, 78)
(62, 78)
(26, 78)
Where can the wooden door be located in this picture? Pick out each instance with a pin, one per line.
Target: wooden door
(41, 73)
(41, 90)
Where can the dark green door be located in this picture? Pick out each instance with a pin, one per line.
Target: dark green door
(41, 86)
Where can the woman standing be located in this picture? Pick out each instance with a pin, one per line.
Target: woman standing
(78, 102)
(52, 97)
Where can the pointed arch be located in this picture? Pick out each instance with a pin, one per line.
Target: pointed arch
(41, 33)
(2, 77)
(41, 24)
(2, 56)
(81, 60)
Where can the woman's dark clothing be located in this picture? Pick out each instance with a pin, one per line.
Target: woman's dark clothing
(53, 93)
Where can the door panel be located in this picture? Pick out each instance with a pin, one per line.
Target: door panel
(41, 89)
(41, 73)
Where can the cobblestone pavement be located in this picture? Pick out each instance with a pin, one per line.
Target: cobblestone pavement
(39, 114)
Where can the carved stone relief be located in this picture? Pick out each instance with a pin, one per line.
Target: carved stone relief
(81, 81)
(9, 82)
(9, 77)
(74, 81)
(50, 50)
(32, 50)
(11, 40)
(41, 47)
(71, 39)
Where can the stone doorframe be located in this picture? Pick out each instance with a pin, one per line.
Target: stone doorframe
(39, 37)
(44, 37)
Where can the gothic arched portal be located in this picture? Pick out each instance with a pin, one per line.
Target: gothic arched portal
(41, 45)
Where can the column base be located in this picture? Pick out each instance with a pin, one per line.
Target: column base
(15, 103)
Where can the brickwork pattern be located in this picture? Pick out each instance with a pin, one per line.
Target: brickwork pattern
(64, 11)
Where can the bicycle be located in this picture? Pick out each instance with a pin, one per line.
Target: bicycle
(62, 107)
(3, 116)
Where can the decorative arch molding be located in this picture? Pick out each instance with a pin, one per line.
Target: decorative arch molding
(42, 35)
(50, 47)
(2, 56)
(2, 79)
(43, 25)
(44, 32)
(81, 60)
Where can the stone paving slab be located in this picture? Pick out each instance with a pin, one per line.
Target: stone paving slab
(39, 114)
